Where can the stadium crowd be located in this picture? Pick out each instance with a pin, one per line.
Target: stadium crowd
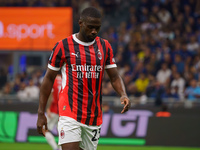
(156, 45)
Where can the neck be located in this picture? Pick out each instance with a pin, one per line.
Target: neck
(80, 37)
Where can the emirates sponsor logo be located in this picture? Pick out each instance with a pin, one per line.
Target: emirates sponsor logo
(87, 71)
(86, 67)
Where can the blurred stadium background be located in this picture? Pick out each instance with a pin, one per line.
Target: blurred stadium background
(157, 49)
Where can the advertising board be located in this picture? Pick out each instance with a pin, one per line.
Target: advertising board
(34, 28)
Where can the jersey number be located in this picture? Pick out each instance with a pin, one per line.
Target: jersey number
(95, 134)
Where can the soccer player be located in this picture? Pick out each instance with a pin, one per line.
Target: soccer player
(82, 58)
(52, 113)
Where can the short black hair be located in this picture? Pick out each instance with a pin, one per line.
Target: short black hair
(90, 12)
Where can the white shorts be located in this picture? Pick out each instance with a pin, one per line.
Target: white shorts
(53, 121)
(71, 130)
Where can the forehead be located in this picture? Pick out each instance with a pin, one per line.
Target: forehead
(93, 21)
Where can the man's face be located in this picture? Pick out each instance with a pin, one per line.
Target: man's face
(89, 28)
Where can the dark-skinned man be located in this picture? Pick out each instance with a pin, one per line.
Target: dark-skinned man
(82, 58)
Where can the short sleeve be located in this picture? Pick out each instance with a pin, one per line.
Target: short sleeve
(55, 59)
(110, 60)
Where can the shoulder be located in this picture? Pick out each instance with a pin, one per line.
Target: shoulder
(63, 41)
(102, 40)
(68, 38)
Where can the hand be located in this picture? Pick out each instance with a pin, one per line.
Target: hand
(42, 124)
(125, 100)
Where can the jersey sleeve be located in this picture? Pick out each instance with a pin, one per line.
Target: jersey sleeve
(55, 59)
(110, 61)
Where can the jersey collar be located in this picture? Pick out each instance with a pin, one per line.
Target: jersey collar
(81, 42)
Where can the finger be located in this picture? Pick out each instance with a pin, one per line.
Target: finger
(46, 128)
(122, 111)
(39, 129)
(125, 109)
(43, 131)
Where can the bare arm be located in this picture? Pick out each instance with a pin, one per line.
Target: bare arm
(45, 91)
(119, 87)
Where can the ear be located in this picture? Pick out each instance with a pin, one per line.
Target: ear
(80, 22)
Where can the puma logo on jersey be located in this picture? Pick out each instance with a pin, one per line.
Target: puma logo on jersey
(75, 54)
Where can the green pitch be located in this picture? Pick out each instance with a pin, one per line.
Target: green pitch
(32, 146)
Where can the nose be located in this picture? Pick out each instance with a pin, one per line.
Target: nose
(94, 31)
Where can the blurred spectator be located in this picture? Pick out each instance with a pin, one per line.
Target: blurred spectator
(37, 77)
(17, 82)
(108, 89)
(163, 75)
(178, 83)
(164, 15)
(156, 91)
(179, 63)
(106, 108)
(193, 45)
(193, 91)
(32, 91)
(144, 35)
(8, 90)
(22, 95)
(141, 84)
(168, 95)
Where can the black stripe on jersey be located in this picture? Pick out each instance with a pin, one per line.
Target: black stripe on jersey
(90, 91)
(58, 58)
(69, 75)
(97, 85)
(108, 58)
(104, 49)
(53, 50)
(80, 83)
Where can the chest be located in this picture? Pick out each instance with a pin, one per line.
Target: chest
(86, 55)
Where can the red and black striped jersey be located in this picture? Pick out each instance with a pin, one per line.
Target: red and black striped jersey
(82, 66)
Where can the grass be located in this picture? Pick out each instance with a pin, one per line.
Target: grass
(36, 146)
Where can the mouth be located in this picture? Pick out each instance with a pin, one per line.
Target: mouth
(92, 37)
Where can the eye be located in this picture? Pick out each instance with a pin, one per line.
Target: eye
(97, 28)
(90, 27)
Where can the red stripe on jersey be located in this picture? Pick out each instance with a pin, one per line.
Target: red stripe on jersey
(111, 54)
(99, 118)
(93, 59)
(85, 85)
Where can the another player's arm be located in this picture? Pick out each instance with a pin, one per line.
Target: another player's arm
(45, 91)
(119, 87)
